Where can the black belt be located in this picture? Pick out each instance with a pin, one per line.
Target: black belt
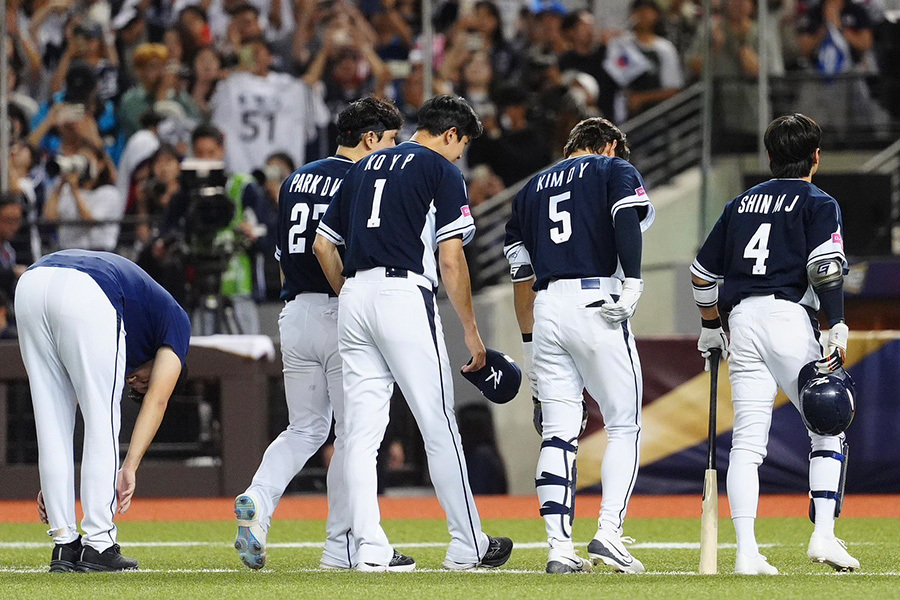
(389, 272)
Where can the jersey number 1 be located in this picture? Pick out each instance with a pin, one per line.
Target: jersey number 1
(758, 248)
(375, 217)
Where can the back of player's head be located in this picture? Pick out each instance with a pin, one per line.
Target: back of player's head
(594, 135)
(792, 141)
(442, 113)
(363, 116)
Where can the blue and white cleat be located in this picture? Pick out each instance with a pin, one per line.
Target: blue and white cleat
(251, 537)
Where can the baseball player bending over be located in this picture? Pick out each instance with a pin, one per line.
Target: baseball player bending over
(574, 246)
(778, 252)
(88, 320)
(394, 210)
(309, 343)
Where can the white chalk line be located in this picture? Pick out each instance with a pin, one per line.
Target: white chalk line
(518, 545)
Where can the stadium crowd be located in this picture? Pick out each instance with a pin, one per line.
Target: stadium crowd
(108, 98)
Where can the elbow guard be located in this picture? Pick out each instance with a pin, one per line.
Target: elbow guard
(825, 275)
(520, 268)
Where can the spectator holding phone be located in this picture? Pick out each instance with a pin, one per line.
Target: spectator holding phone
(85, 43)
(157, 81)
(75, 116)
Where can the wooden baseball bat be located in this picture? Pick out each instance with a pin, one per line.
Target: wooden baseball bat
(709, 519)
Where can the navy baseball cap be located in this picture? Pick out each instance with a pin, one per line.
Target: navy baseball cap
(499, 379)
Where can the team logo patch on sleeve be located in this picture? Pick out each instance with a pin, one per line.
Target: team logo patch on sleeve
(640, 191)
(465, 211)
(837, 239)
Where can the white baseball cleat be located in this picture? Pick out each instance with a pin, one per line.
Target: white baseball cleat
(608, 547)
(753, 565)
(563, 558)
(830, 551)
(251, 537)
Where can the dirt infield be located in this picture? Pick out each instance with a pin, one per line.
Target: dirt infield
(490, 507)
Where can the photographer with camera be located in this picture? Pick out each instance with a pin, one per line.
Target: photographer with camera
(215, 242)
(84, 192)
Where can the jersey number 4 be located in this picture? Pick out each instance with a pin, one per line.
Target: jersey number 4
(758, 248)
(300, 220)
(563, 217)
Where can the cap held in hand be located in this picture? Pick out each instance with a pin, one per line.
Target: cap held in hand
(499, 379)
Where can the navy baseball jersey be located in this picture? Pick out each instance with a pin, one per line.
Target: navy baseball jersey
(395, 207)
(302, 201)
(151, 316)
(766, 237)
(562, 220)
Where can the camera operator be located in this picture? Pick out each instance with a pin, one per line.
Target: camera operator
(154, 194)
(85, 191)
(267, 270)
(241, 234)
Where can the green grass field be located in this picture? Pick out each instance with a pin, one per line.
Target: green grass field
(196, 560)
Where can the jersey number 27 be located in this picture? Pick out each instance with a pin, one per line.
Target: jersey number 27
(300, 220)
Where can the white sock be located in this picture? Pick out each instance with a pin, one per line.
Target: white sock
(746, 535)
(824, 516)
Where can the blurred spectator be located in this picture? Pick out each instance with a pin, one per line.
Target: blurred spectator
(267, 280)
(205, 75)
(131, 33)
(483, 184)
(734, 41)
(45, 22)
(139, 149)
(193, 32)
(155, 194)
(834, 35)
(645, 65)
(18, 97)
(394, 30)
(587, 56)
(21, 162)
(10, 221)
(512, 136)
(85, 192)
(157, 81)
(85, 43)
(76, 116)
(545, 34)
(475, 84)
(680, 23)
(7, 329)
(267, 112)
(481, 31)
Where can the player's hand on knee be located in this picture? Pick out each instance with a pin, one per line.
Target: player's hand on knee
(623, 309)
(42, 508)
(712, 337)
(125, 485)
(836, 352)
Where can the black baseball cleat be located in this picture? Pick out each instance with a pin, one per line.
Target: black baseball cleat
(399, 563)
(498, 552)
(110, 559)
(65, 556)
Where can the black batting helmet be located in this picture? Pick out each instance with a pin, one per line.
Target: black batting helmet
(827, 402)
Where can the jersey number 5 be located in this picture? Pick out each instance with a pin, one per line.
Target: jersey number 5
(564, 231)
(758, 248)
(300, 218)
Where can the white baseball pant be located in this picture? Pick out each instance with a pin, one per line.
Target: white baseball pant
(314, 390)
(771, 340)
(390, 331)
(73, 345)
(574, 349)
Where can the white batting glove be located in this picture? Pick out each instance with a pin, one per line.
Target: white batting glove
(836, 352)
(616, 312)
(712, 337)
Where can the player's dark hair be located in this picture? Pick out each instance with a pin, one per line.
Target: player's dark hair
(445, 112)
(594, 135)
(207, 131)
(792, 141)
(363, 116)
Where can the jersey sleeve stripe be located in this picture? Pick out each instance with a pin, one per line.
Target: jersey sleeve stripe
(467, 230)
(634, 200)
(328, 233)
(704, 273)
(278, 254)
